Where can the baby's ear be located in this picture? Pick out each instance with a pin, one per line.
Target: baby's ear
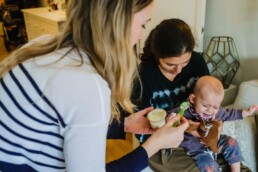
(191, 98)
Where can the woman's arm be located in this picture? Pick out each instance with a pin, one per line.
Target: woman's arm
(136, 160)
(165, 137)
(83, 100)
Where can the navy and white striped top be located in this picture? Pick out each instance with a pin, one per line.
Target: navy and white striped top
(54, 115)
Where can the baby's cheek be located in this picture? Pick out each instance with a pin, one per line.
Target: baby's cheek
(199, 110)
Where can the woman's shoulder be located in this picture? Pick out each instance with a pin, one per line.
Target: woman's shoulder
(197, 59)
(63, 66)
(147, 64)
(197, 64)
(59, 59)
(197, 56)
(148, 69)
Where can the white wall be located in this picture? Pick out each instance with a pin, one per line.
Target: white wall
(237, 19)
(191, 11)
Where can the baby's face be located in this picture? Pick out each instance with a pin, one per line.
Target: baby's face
(207, 105)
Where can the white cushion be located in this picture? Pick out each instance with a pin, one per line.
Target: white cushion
(245, 131)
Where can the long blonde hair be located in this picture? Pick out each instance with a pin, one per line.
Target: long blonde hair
(102, 29)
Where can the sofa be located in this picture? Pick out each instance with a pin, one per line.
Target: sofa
(245, 131)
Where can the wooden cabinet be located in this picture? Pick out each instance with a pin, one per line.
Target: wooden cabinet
(40, 21)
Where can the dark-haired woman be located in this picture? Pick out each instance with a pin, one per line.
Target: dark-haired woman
(168, 70)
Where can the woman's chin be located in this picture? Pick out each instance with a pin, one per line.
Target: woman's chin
(174, 73)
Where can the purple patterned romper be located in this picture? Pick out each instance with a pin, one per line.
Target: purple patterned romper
(228, 146)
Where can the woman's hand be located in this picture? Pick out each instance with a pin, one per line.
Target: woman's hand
(137, 123)
(166, 136)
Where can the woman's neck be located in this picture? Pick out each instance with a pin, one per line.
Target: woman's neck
(168, 75)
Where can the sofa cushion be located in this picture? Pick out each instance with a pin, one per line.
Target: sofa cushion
(245, 131)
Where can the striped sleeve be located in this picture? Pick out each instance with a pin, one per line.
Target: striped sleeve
(29, 134)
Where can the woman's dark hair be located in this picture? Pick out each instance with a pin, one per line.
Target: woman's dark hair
(171, 38)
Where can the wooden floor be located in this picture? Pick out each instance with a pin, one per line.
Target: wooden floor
(118, 148)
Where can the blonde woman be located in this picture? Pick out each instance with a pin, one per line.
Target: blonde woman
(59, 93)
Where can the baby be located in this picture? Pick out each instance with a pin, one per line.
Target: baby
(203, 142)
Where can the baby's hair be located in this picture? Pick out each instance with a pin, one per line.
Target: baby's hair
(208, 84)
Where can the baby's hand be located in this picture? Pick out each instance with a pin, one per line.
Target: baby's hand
(195, 134)
(192, 129)
(250, 110)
